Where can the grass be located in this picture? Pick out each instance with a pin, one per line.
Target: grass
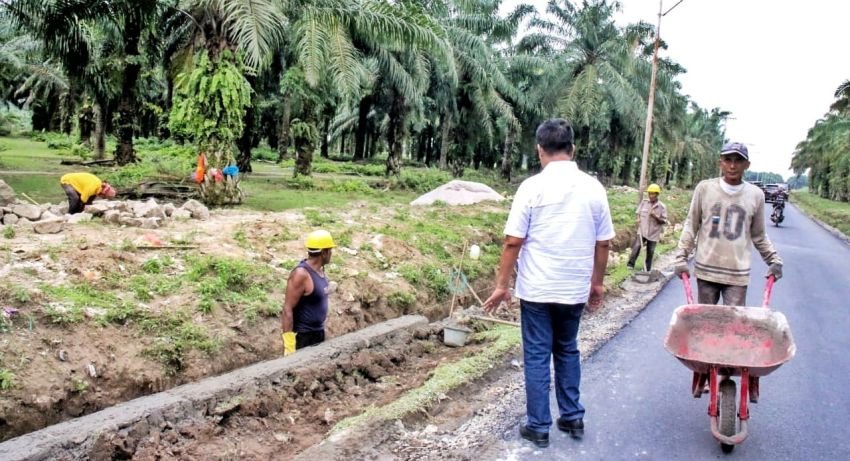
(277, 194)
(25, 154)
(444, 379)
(174, 334)
(7, 379)
(836, 214)
(235, 284)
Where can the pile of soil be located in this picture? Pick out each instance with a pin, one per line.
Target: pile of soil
(459, 192)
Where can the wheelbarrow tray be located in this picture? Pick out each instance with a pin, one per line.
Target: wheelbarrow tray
(701, 335)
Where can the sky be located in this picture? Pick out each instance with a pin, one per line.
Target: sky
(774, 64)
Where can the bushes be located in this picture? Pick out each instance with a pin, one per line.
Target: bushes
(157, 161)
(422, 180)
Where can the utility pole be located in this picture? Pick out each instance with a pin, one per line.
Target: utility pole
(650, 106)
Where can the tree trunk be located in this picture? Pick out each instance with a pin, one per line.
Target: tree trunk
(325, 136)
(69, 106)
(422, 145)
(395, 136)
(99, 131)
(362, 128)
(507, 154)
(304, 141)
(283, 137)
(445, 141)
(245, 142)
(86, 121)
(124, 152)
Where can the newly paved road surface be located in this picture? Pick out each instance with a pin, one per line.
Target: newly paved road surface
(638, 396)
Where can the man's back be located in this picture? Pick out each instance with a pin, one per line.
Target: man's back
(562, 213)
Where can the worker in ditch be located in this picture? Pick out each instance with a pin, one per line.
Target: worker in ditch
(651, 218)
(305, 306)
(82, 188)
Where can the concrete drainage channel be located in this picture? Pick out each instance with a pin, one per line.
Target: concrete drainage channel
(139, 427)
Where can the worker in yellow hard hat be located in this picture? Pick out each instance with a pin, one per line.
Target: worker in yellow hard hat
(651, 218)
(82, 188)
(305, 305)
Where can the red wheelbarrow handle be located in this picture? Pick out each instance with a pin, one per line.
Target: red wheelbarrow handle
(689, 294)
(768, 289)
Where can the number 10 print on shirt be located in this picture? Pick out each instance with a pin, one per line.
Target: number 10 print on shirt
(733, 221)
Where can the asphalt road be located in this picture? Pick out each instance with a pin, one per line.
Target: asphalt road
(638, 396)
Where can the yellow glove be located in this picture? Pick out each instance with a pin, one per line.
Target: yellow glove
(288, 342)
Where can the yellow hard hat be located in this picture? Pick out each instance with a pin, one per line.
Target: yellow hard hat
(319, 240)
(653, 189)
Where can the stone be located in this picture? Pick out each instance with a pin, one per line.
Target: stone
(198, 210)
(149, 209)
(47, 215)
(10, 219)
(181, 214)
(98, 208)
(24, 210)
(126, 206)
(168, 208)
(150, 223)
(79, 217)
(111, 216)
(129, 221)
(49, 226)
(7, 194)
(59, 209)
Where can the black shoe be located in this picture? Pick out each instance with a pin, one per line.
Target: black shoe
(575, 427)
(540, 439)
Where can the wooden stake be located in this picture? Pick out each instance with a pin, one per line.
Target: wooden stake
(457, 276)
(30, 199)
(494, 320)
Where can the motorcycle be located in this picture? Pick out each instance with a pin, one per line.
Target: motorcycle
(778, 214)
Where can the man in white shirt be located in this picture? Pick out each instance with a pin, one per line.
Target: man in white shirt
(559, 230)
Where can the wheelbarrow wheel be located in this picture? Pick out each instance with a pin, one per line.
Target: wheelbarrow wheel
(728, 415)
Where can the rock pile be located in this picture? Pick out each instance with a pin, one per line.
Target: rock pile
(51, 219)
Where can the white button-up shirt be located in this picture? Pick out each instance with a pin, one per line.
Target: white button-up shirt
(561, 213)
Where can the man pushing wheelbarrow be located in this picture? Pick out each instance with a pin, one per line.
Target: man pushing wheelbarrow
(725, 219)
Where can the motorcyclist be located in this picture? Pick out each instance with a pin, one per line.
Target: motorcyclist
(778, 214)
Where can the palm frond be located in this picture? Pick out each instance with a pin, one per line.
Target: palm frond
(256, 26)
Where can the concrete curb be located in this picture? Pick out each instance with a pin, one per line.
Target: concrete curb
(80, 438)
(835, 232)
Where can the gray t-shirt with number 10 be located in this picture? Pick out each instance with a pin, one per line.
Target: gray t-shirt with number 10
(721, 226)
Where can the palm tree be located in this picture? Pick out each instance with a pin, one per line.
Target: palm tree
(595, 61)
(477, 102)
(60, 28)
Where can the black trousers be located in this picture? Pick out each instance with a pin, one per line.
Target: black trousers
(308, 338)
(650, 252)
(75, 203)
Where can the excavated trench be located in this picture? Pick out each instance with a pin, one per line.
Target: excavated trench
(258, 412)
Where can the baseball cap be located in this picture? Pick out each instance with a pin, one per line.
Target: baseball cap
(735, 148)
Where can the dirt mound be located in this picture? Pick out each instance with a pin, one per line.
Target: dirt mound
(459, 193)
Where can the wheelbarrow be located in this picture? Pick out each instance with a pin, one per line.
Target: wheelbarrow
(719, 342)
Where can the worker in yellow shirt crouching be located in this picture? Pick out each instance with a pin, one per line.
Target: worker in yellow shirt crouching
(82, 188)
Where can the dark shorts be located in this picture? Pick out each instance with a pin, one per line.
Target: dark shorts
(709, 293)
(75, 203)
(308, 338)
